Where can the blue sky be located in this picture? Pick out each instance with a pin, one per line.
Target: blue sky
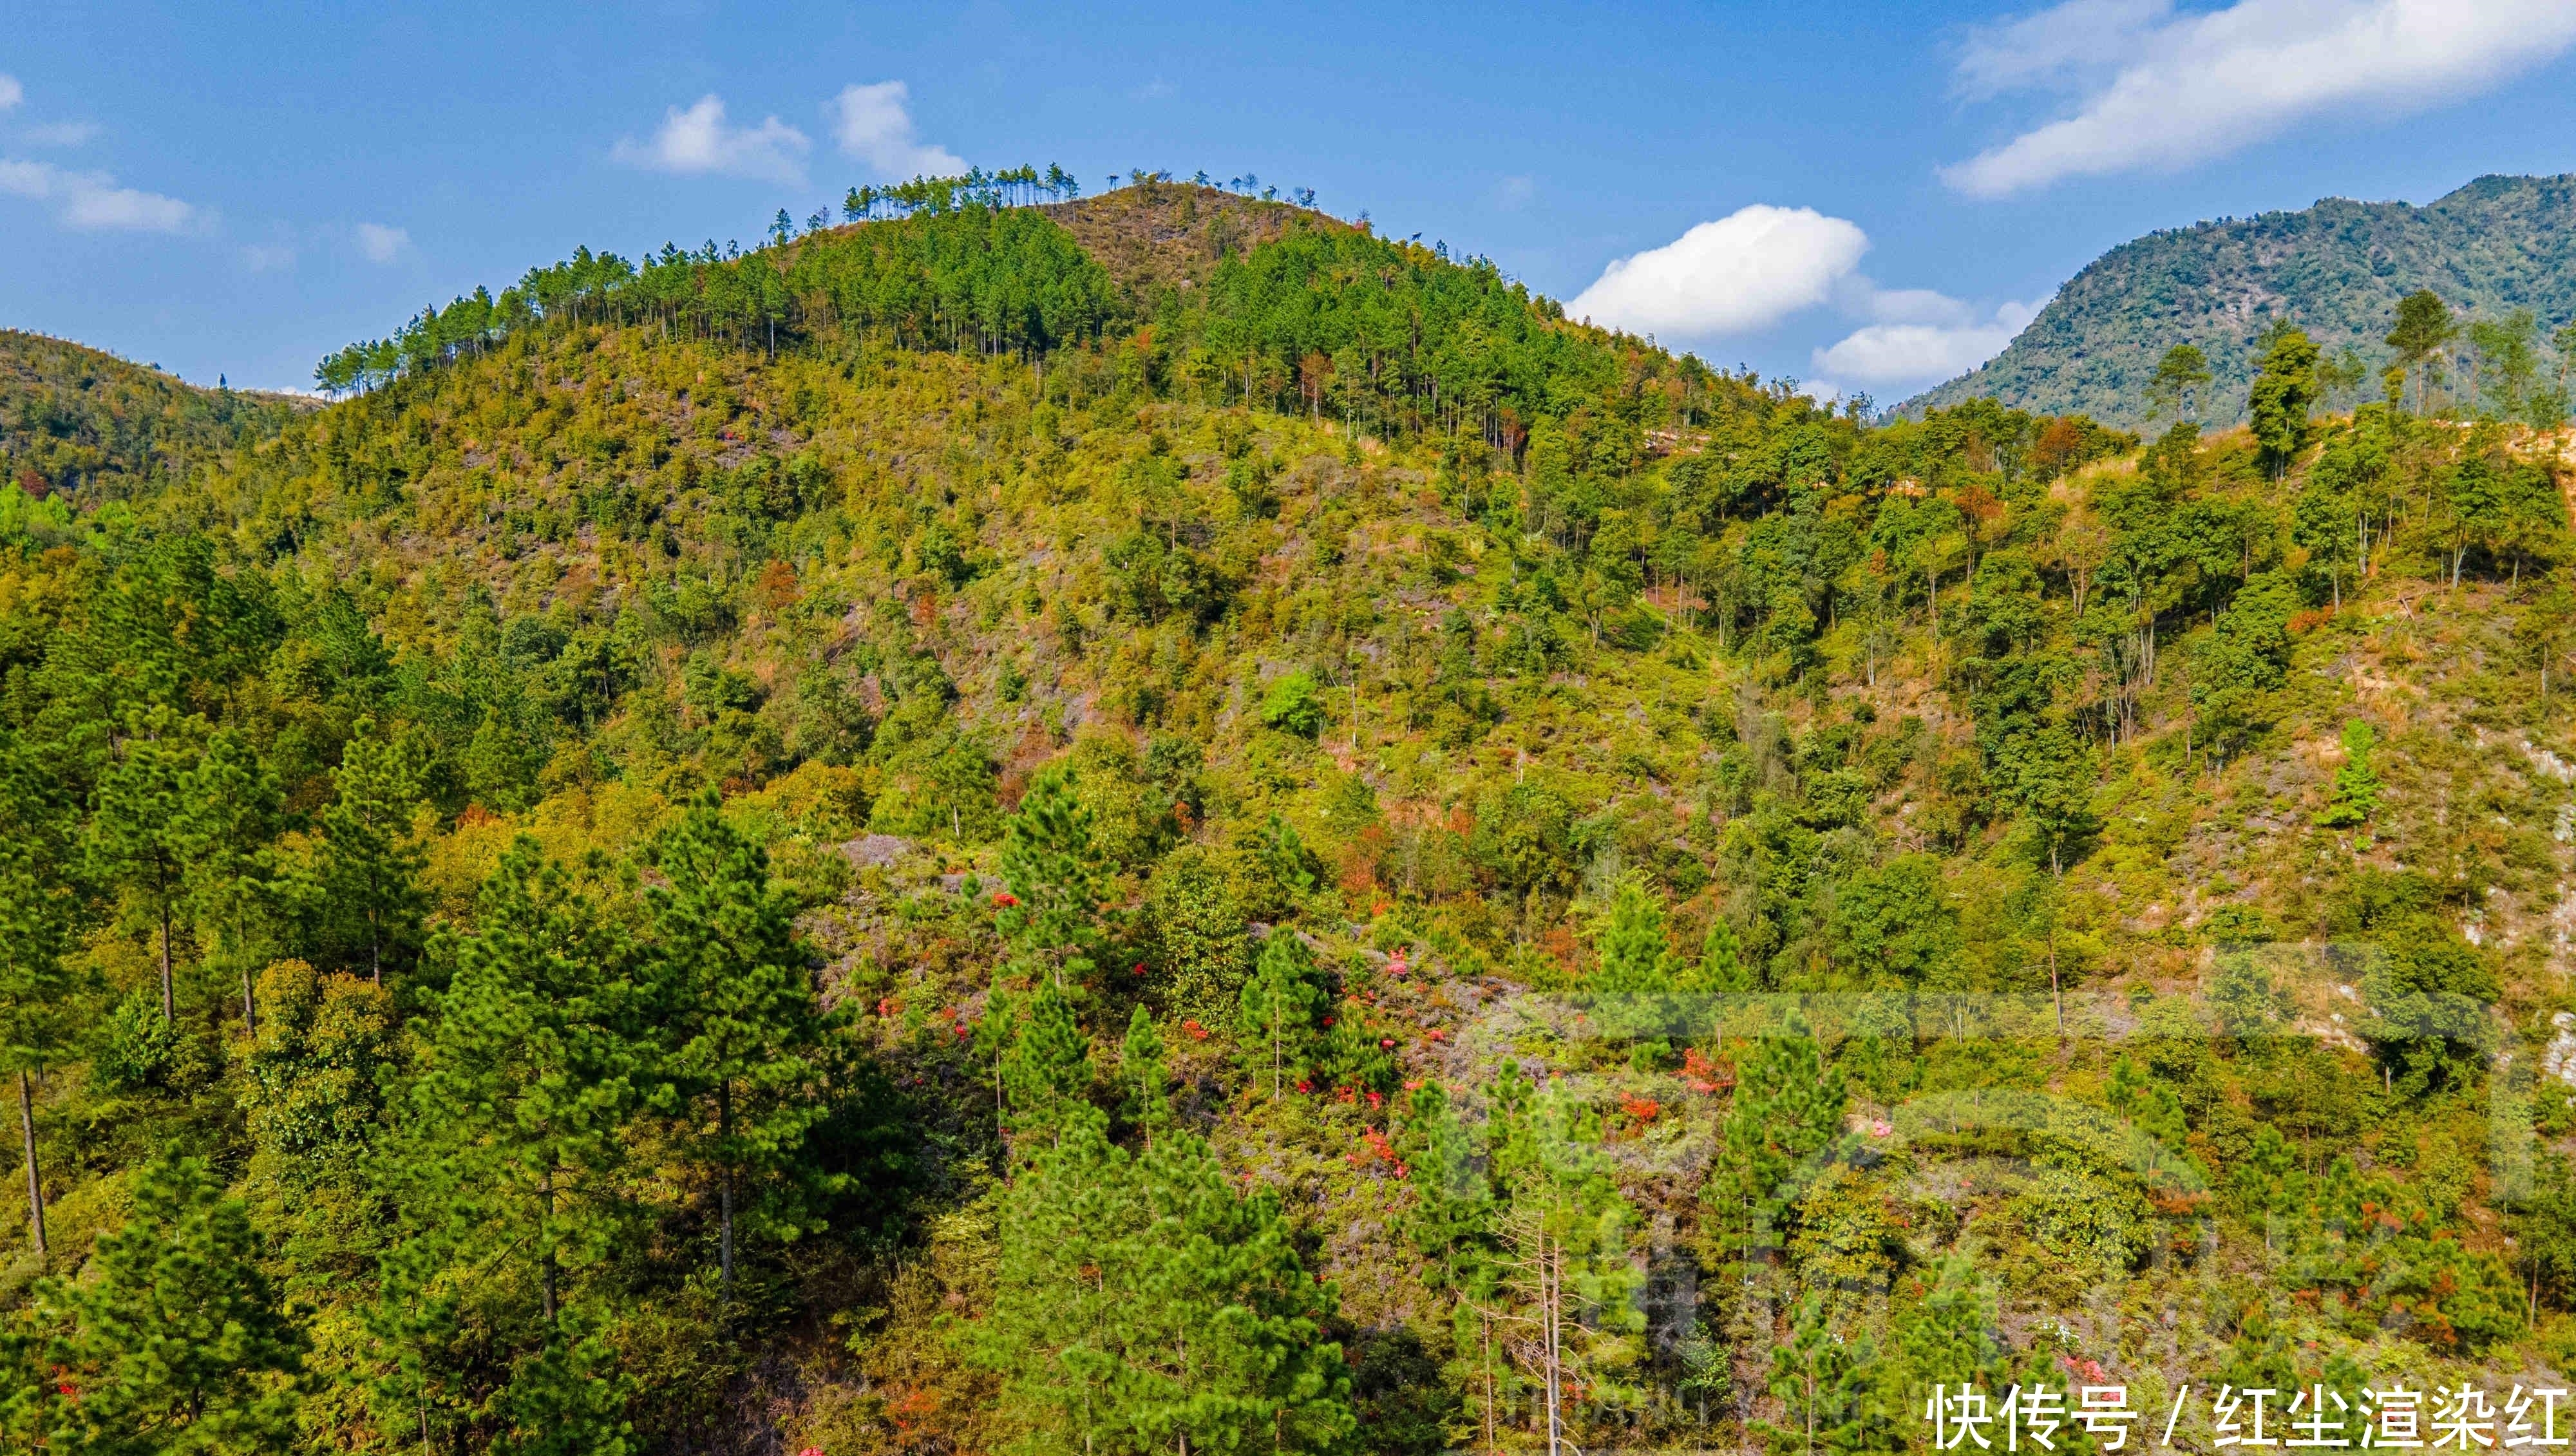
(1868, 196)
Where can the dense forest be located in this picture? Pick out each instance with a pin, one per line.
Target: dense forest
(1156, 824)
(2494, 249)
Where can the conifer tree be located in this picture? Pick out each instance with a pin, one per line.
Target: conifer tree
(1788, 1107)
(230, 804)
(1720, 969)
(369, 872)
(1142, 1072)
(139, 838)
(36, 917)
(1047, 1070)
(1564, 1264)
(1949, 1336)
(2423, 329)
(1452, 1219)
(1635, 970)
(730, 989)
(1275, 1021)
(1144, 1305)
(1052, 866)
(529, 1073)
(1827, 1389)
(2356, 783)
(176, 1343)
(1633, 956)
(2285, 390)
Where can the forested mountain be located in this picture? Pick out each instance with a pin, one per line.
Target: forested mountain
(75, 420)
(920, 839)
(2494, 247)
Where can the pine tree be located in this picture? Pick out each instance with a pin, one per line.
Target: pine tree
(1827, 1389)
(36, 919)
(1788, 1108)
(1949, 1338)
(1720, 970)
(1564, 1265)
(729, 986)
(175, 1344)
(230, 805)
(1276, 1015)
(368, 879)
(529, 1073)
(139, 837)
(1451, 1222)
(2285, 390)
(1632, 953)
(2356, 784)
(1052, 865)
(1635, 971)
(1144, 1305)
(2424, 327)
(1141, 1071)
(1047, 1071)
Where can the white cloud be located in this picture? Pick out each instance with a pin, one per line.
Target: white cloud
(2189, 86)
(11, 93)
(60, 133)
(2066, 45)
(1911, 346)
(874, 124)
(1745, 271)
(92, 201)
(698, 141)
(381, 244)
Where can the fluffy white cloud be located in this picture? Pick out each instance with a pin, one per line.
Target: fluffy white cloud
(1745, 271)
(2181, 87)
(381, 244)
(60, 133)
(11, 93)
(92, 201)
(1915, 347)
(874, 124)
(699, 141)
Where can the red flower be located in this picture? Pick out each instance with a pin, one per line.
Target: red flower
(1004, 899)
(1386, 1043)
(1196, 1031)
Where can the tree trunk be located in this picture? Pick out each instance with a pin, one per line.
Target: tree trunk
(250, 1004)
(545, 1230)
(724, 1130)
(35, 1185)
(169, 997)
(1551, 1299)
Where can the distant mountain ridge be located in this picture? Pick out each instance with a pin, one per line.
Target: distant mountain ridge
(2336, 269)
(75, 418)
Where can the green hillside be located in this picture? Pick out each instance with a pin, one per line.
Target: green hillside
(1050, 829)
(92, 427)
(2336, 270)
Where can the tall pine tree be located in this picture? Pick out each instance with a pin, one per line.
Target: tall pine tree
(734, 996)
